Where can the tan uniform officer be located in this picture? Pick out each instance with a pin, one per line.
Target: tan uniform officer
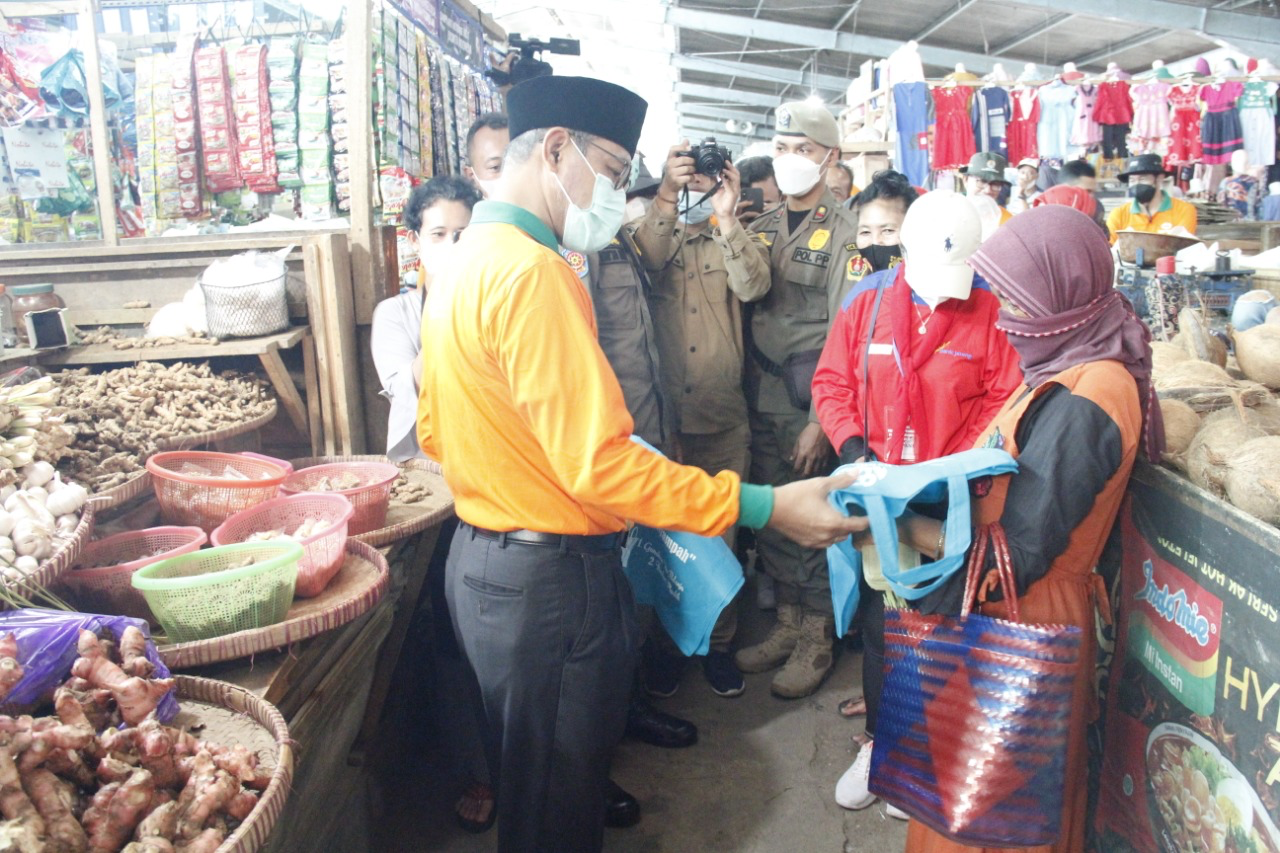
(704, 266)
(814, 260)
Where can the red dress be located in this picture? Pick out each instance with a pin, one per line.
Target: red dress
(1024, 125)
(1184, 145)
(953, 136)
(1114, 105)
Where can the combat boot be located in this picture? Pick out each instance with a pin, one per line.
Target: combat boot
(777, 646)
(811, 660)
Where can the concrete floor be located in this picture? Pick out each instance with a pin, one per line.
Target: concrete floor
(759, 780)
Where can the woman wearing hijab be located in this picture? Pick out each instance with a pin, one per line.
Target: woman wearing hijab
(1087, 408)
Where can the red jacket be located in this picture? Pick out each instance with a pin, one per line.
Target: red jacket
(1114, 106)
(968, 380)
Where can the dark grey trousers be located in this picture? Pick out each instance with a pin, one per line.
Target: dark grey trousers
(552, 636)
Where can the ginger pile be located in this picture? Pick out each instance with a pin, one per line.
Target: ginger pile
(404, 492)
(122, 416)
(75, 783)
(112, 336)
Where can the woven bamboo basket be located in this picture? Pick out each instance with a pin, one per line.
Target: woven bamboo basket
(354, 590)
(139, 484)
(254, 831)
(403, 520)
(200, 439)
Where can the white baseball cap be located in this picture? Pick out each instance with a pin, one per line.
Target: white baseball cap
(939, 234)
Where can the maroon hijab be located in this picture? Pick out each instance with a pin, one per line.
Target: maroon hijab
(1054, 264)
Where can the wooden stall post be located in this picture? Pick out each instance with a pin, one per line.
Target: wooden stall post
(98, 122)
(329, 270)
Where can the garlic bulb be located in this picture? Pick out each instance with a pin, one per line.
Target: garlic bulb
(26, 564)
(69, 499)
(37, 474)
(67, 524)
(23, 505)
(31, 540)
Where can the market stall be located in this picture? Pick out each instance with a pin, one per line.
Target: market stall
(182, 264)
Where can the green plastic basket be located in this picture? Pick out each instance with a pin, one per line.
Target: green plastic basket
(196, 597)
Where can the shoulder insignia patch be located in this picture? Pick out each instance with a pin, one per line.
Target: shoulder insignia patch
(767, 237)
(857, 268)
(576, 260)
(820, 215)
(851, 247)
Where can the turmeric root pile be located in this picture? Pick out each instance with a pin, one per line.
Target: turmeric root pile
(122, 416)
(76, 783)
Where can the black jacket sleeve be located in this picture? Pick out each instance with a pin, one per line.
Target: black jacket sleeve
(1068, 449)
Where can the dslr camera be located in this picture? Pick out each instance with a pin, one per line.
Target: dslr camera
(708, 157)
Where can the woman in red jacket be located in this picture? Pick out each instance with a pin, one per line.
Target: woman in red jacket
(913, 369)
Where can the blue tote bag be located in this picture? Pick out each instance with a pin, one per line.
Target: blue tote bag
(883, 493)
(687, 579)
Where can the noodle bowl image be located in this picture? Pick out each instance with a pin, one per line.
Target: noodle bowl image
(1200, 802)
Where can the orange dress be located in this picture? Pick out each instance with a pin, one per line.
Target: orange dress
(1070, 592)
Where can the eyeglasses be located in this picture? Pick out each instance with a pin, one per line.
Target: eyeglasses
(627, 174)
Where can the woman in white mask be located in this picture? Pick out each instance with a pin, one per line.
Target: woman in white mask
(436, 214)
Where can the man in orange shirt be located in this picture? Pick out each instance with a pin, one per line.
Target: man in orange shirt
(530, 426)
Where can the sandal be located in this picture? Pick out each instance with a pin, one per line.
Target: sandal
(474, 799)
(855, 707)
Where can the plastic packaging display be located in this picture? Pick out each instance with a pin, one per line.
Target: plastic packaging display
(47, 646)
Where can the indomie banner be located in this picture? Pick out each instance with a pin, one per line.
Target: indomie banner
(1191, 760)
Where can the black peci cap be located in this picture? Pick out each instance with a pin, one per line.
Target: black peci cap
(578, 103)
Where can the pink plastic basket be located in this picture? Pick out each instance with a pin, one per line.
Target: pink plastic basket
(323, 553)
(370, 499)
(103, 584)
(205, 500)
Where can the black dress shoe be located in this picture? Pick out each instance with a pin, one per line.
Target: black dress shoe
(648, 725)
(621, 810)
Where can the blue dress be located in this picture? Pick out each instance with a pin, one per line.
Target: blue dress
(1057, 115)
(990, 114)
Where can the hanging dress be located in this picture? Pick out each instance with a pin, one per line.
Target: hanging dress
(1220, 132)
(990, 116)
(953, 135)
(1057, 112)
(1150, 116)
(1086, 133)
(1024, 124)
(1184, 145)
(1258, 121)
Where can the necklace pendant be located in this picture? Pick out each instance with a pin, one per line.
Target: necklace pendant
(923, 328)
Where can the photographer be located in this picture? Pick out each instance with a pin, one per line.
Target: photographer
(704, 266)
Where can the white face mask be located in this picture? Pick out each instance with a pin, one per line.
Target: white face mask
(796, 175)
(592, 228)
(489, 189)
(432, 256)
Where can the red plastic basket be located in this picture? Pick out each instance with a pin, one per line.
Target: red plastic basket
(103, 584)
(323, 553)
(191, 492)
(370, 499)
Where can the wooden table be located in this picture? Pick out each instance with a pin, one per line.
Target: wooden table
(305, 415)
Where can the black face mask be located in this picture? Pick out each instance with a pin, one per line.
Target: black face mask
(1144, 193)
(882, 257)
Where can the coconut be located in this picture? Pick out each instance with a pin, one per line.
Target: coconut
(1181, 423)
(1273, 316)
(1220, 435)
(1194, 374)
(1194, 336)
(1165, 355)
(1253, 478)
(1258, 353)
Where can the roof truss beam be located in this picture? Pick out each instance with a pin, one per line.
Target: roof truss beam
(1211, 23)
(768, 73)
(1034, 32)
(942, 21)
(693, 108)
(727, 97)
(816, 37)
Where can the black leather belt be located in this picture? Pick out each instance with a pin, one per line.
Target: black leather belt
(563, 541)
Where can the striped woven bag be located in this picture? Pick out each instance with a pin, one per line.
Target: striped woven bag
(973, 722)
